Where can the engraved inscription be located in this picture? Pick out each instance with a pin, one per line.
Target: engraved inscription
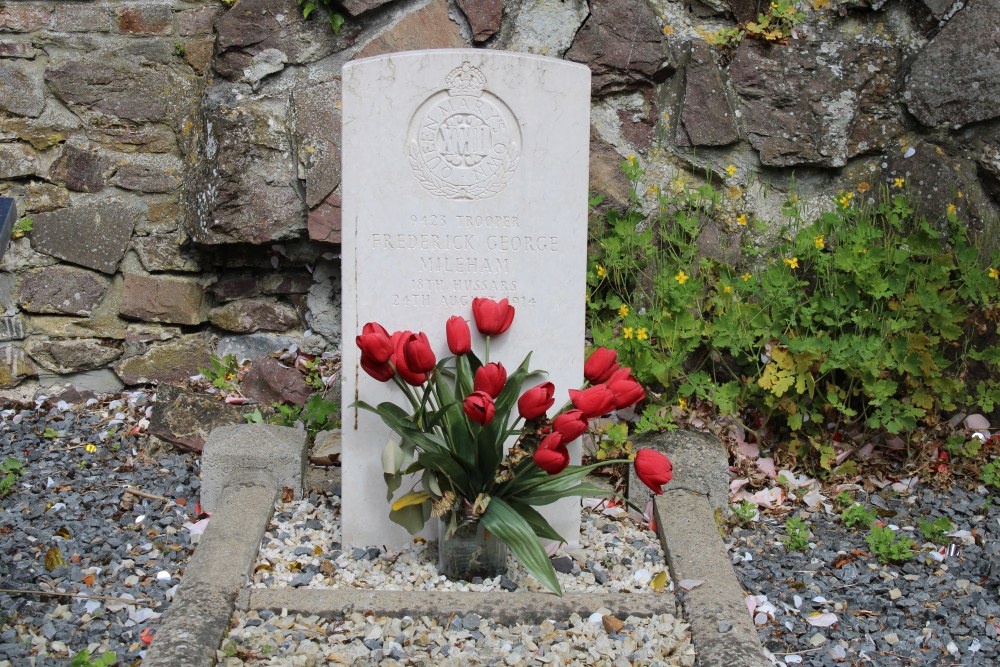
(464, 142)
(453, 258)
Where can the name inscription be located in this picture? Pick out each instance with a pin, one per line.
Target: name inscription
(455, 258)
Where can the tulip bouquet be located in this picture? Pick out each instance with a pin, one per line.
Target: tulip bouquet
(462, 413)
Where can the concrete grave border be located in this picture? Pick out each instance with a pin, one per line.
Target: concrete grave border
(212, 588)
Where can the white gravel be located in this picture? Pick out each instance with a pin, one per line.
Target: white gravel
(302, 549)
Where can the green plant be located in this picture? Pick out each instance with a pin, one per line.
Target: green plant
(936, 531)
(83, 659)
(222, 372)
(777, 23)
(314, 375)
(462, 412)
(10, 470)
(745, 513)
(856, 515)
(797, 534)
(957, 445)
(179, 49)
(335, 18)
(990, 474)
(887, 546)
(21, 228)
(844, 499)
(319, 414)
(866, 315)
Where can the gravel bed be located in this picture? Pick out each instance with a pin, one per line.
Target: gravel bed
(69, 526)
(835, 604)
(302, 549)
(460, 640)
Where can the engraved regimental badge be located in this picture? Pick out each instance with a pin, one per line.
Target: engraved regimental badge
(464, 142)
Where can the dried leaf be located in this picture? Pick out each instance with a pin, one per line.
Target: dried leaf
(287, 494)
(88, 580)
(659, 581)
(63, 533)
(612, 624)
(821, 620)
(53, 558)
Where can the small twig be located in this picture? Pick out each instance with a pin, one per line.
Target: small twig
(143, 494)
(18, 591)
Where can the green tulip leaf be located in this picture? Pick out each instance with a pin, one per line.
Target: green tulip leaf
(541, 496)
(504, 521)
(538, 523)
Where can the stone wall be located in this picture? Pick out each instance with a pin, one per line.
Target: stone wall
(180, 159)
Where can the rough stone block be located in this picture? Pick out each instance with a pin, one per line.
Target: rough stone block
(18, 160)
(145, 19)
(197, 21)
(15, 47)
(269, 381)
(248, 453)
(149, 173)
(170, 361)
(15, 366)
(250, 315)
(707, 117)
(24, 17)
(73, 355)
(98, 381)
(318, 133)
(484, 17)
(428, 27)
(94, 236)
(253, 346)
(164, 299)
(80, 169)
(161, 252)
(62, 289)
(21, 88)
(185, 418)
(13, 327)
(325, 220)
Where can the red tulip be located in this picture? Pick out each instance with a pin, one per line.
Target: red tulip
(571, 424)
(490, 378)
(419, 355)
(479, 407)
(552, 455)
(619, 374)
(627, 392)
(459, 336)
(399, 341)
(593, 401)
(382, 372)
(599, 366)
(534, 402)
(375, 343)
(492, 317)
(653, 469)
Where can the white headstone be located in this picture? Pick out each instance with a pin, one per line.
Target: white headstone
(465, 175)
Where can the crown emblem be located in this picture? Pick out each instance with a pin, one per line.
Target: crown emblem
(465, 81)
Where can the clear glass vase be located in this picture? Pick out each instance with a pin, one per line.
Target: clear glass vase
(469, 550)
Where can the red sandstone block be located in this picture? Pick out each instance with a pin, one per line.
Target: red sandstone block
(145, 19)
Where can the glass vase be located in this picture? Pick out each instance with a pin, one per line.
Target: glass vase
(469, 550)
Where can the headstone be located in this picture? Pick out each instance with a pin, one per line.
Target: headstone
(8, 215)
(464, 175)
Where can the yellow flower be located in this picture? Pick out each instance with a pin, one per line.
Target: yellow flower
(652, 189)
(667, 30)
(631, 160)
(994, 274)
(681, 277)
(731, 170)
(627, 332)
(952, 209)
(746, 277)
(899, 182)
(641, 333)
(792, 263)
(819, 242)
(864, 187)
(845, 198)
(91, 448)
(742, 220)
(959, 194)
(726, 289)
(682, 404)
(601, 271)
(677, 185)
(623, 310)
(863, 251)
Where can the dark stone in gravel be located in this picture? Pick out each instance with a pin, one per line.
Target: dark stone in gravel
(563, 564)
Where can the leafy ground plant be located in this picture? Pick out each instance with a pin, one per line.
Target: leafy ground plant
(936, 531)
(866, 316)
(887, 546)
(856, 515)
(222, 372)
(10, 470)
(797, 532)
(83, 659)
(745, 513)
(990, 476)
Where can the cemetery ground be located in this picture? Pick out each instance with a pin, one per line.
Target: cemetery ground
(897, 564)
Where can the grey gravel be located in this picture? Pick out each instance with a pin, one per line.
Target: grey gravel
(71, 505)
(932, 609)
